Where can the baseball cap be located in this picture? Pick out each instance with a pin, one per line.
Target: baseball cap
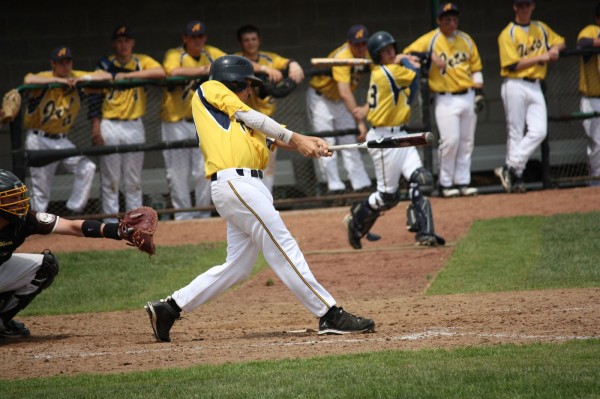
(122, 31)
(61, 53)
(358, 34)
(448, 8)
(194, 28)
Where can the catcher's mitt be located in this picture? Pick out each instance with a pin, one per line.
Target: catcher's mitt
(11, 105)
(137, 228)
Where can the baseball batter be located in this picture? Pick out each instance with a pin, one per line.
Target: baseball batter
(233, 142)
(49, 116)
(589, 86)
(191, 59)
(456, 82)
(526, 47)
(394, 82)
(23, 276)
(331, 106)
(121, 124)
(269, 66)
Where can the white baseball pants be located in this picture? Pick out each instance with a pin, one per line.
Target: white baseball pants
(592, 130)
(182, 162)
(253, 225)
(42, 178)
(456, 120)
(524, 105)
(128, 165)
(326, 115)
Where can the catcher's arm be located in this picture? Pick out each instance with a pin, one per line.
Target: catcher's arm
(137, 228)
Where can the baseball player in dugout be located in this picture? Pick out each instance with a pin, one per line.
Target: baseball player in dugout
(394, 83)
(119, 121)
(192, 59)
(280, 76)
(332, 106)
(234, 141)
(526, 48)
(23, 276)
(589, 86)
(49, 115)
(456, 81)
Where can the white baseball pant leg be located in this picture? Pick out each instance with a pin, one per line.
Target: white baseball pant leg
(326, 115)
(42, 177)
(180, 164)
(116, 132)
(524, 105)
(253, 225)
(269, 172)
(16, 275)
(391, 163)
(592, 130)
(456, 120)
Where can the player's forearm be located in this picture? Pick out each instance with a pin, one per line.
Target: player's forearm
(265, 124)
(32, 79)
(190, 71)
(347, 97)
(152, 73)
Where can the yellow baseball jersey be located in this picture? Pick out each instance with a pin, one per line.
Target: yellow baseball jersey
(54, 110)
(589, 74)
(127, 104)
(327, 85)
(388, 95)
(460, 55)
(225, 142)
(176, 103)
(266, 105)
(518, 42)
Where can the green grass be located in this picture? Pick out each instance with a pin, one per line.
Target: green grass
(546, 371)
(524, 253)
(119, 280)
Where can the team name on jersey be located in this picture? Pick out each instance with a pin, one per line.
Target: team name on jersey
(454, 60)
(525, 50)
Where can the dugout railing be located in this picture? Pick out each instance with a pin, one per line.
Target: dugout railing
(298, 181)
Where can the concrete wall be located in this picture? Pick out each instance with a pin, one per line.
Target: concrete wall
(300, 29)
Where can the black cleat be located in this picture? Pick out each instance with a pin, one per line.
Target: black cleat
(353, 235)
(338, 321)
(162, 317)
(14, 329)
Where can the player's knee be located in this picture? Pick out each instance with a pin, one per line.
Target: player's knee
(423, 178)
(384, 201)
(47, 271)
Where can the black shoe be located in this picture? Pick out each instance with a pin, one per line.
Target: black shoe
(518, 185)
(14, 329)
(505, 177)
(338, 321)
(353, 235)
(429, 240)
(162, 317)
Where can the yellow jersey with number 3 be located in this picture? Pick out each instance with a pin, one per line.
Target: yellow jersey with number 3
(54, 110)
(388, 95)
(460, 55)
(225, 142)
(517, 42)
(127, 104)
(327, 85)
(589, 74)
(176, 103)
(272, 60)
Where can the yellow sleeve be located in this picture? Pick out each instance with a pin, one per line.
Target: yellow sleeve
(476, 64)
(214, 52)
(148, 62)
(222, 98)
(279, 62)
(341, 74)
(172, 60)
(508, 51)
(419, 45)
(589, 32)
(553, 37)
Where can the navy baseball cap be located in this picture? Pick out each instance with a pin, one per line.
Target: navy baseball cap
(358, 34)
(448, 8)
(122, 31)
(61, 53)
(195, 28)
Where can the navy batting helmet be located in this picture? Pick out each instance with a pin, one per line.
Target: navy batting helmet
(14, 198)
(234, 71)
(377, 42)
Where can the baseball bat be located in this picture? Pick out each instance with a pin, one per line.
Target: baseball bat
(329, 62)
(407, 140)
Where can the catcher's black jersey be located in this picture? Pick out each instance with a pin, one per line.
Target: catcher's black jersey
(13, 235)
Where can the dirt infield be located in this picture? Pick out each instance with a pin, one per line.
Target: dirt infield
(384, 281)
